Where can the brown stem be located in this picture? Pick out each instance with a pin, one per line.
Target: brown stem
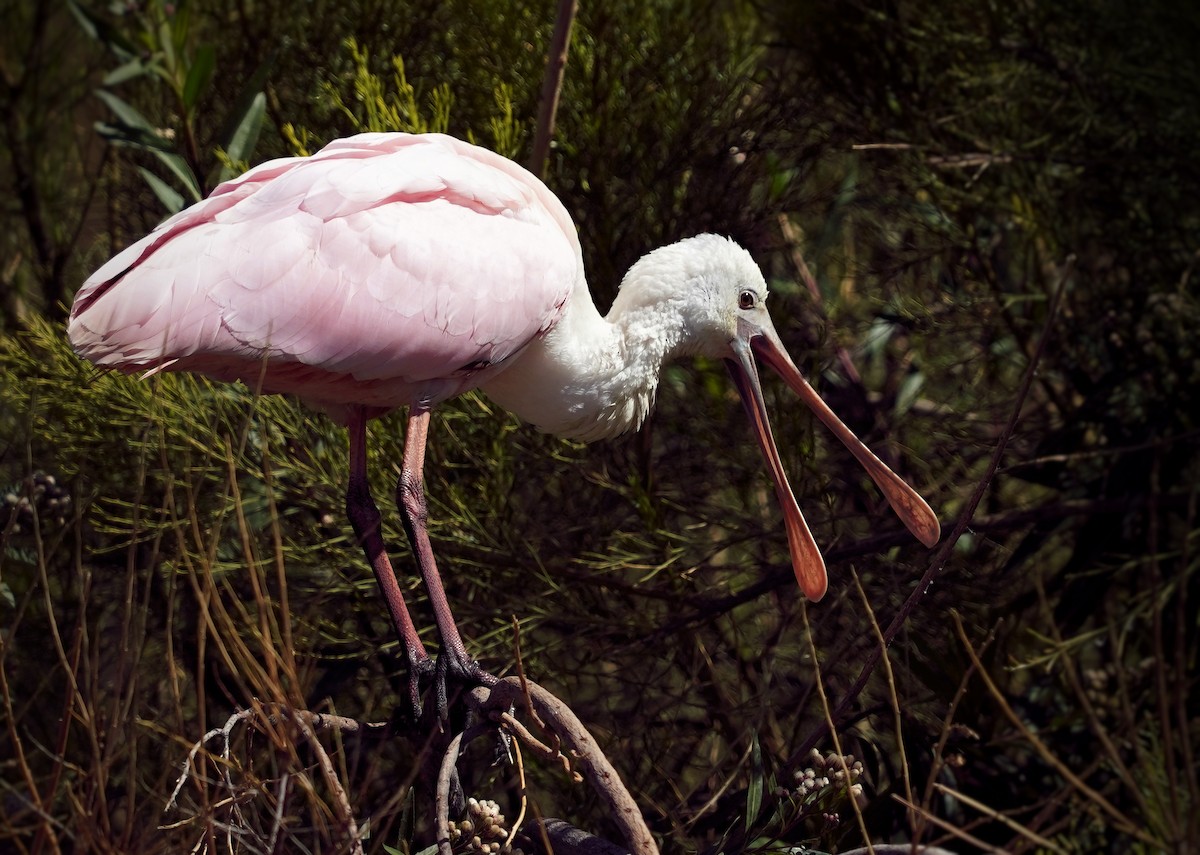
(556, 66)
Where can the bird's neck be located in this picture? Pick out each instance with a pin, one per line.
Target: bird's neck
(592, 377)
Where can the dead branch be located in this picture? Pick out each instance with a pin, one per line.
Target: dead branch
(309, 724)
(494, 705)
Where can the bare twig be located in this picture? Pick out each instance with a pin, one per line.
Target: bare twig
(1007, 821)
(939, 749)
(309, 724)
(340, 799)
(556, 65)
(893, 696)
(946, 826)
(819, 683)
(524, 796)
(280, 803)
(441, 798)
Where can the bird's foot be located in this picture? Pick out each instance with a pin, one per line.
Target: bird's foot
(459, 670)
(421, 669)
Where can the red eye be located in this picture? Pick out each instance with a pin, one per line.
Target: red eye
(747, 300)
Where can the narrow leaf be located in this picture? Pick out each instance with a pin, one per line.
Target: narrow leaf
(167, 45)
(127, 71)
(100, 30)
(119, 133)
(245, 136)
(198, 76)
(906, 395)
(251, 91)
(754, 792)
(182, 171)
(125, 111)
(170, 199)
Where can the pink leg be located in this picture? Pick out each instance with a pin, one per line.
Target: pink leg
(410, 496)
(365, 518)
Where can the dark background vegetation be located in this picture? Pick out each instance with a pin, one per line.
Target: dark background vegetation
(173, 551)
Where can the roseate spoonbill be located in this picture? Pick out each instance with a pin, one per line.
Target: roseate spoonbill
(390, 270)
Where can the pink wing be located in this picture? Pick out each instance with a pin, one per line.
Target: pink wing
(385, 270)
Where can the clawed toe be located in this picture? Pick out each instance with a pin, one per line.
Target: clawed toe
(461, 672)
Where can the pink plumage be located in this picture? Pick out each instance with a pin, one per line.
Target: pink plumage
(385, 270)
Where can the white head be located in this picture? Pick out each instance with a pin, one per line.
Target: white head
(707, 282)
(716, 296)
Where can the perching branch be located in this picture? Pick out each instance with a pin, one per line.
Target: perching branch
(495, 704)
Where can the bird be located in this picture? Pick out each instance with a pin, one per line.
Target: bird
(392, 270)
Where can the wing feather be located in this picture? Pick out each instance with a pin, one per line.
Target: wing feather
(376, 272)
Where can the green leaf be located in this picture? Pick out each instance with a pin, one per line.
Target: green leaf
(180, 21)
(909, 389)
(179, 168)
(87, 21)
(171, 200)
(198, 76)
(754, 792)
(167, 45)
(119, 133)
(127, 71)
(125, 111)
(243, 106)
(245, 135)
(135, 131)
(100, 30)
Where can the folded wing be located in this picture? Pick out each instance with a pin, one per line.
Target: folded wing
(384, 270)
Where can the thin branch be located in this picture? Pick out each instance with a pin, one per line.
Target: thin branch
(556, 66)
(946, 826)
(340, 799)
(1007, 821)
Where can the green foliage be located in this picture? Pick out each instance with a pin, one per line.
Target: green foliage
(155, 40)
(374, 106)
(395, 111)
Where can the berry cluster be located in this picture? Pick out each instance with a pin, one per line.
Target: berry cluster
(482, 831)
(40, 492)
(1105, 685)
(823, 783)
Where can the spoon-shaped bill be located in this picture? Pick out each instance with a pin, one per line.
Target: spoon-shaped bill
(913, 511)
(761, 339)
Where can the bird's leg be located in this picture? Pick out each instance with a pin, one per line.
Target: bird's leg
(366, 520)
(454, 661)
